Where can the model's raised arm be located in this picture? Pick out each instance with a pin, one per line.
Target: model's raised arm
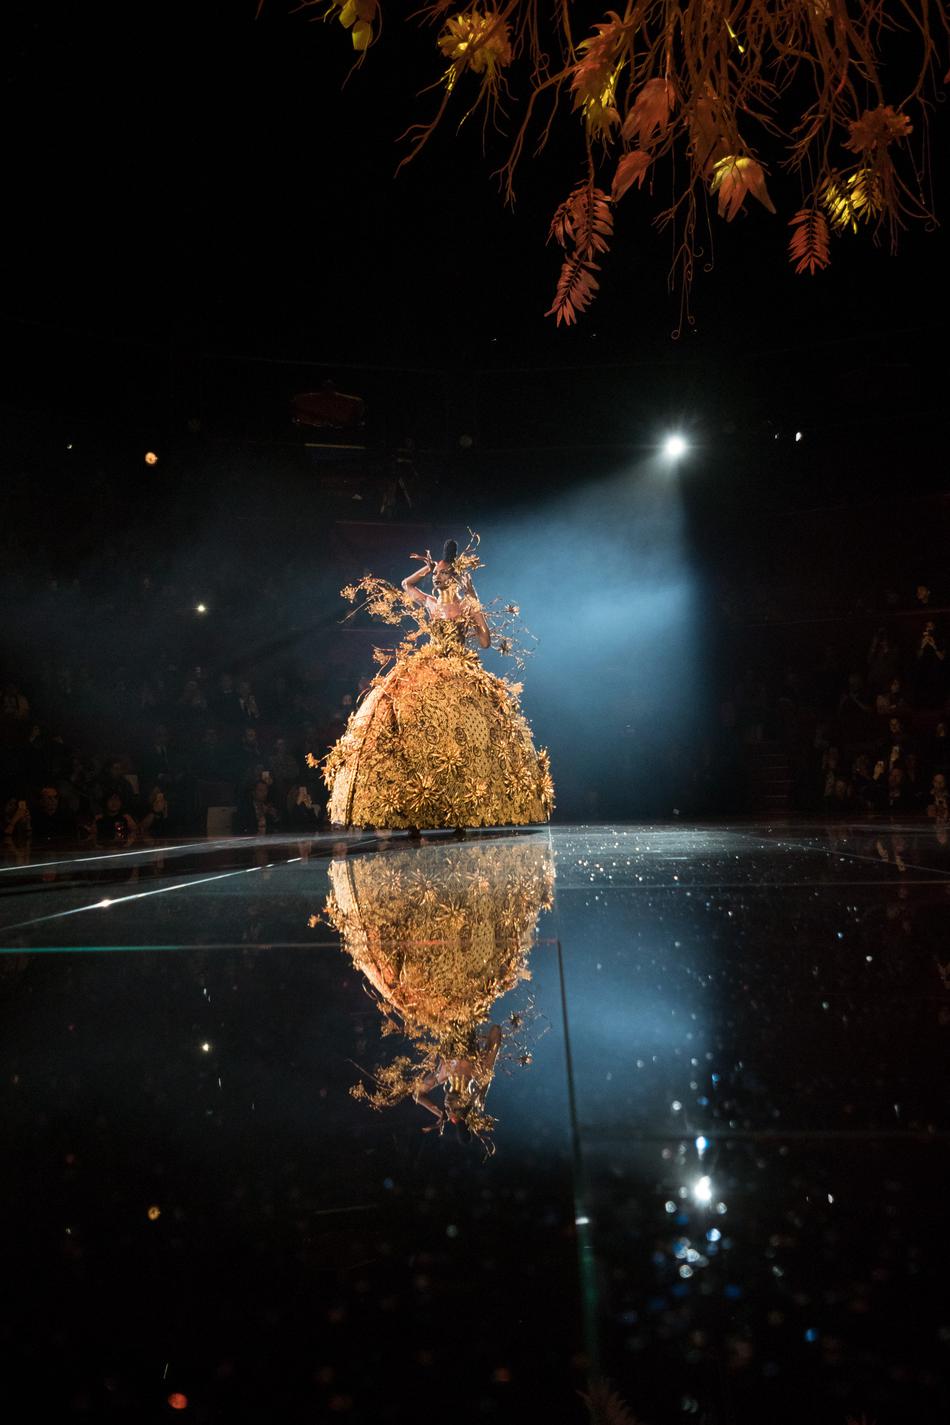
(411, 580)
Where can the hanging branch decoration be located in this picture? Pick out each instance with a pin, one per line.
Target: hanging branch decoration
(660, 90)
(808, 245)
(583, 225)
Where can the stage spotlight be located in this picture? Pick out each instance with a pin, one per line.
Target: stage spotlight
(151, 458)
(702, 1191)
(201, 608)
(798, 436)
(674, 446)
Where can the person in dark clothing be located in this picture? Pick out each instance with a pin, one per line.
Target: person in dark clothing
(114, 826)
(302, 814)
(51, 820)
(155, 764)
(257, 814)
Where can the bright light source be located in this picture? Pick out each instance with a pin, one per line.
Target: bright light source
(702, 1190)
(674, 446)
(798, 435)
(105, 903)
(201, 608)
(206, 1049)
(151, 458)
(701, 1145)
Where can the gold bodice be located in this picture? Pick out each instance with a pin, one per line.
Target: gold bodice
(447, 634)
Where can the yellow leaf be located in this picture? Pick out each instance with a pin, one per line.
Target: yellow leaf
(362, 35)
(732, 179)
(348, 14)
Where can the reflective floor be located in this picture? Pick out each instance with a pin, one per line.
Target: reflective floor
(370, 1129)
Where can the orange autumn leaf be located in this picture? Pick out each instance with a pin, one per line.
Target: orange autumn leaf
(576, 288)
(808, 246)
(631, 169)
(650, 113)
(733, 178)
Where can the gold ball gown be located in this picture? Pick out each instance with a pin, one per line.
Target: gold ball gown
(438, 742)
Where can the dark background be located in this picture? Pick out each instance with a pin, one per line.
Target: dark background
(205, 219)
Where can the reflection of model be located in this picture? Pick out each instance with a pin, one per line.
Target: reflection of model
(438, 741)
(466, 1081)
(441, 933)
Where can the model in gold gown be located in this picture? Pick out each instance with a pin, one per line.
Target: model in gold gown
(440, 934)
(438, 741)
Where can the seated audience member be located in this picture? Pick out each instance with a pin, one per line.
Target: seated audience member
(930, 683)
(302, 814)
(855, 719)
(897, 744)
(257, 814)
(213, 762)
(115, 780)
(192, 710)
(862, 783)
(913, 783)
(114, 825)
(830, 763)
(226, 704)
(883, 662)
(891, 702)
(939, 751)
(52, 821)
(896, 803)
(283, 764)
(155, 767)
(14, 706)
(938, 808)
(155, 821)
(248, 755)
(877, 791)
(841, 802)
(247, 702)
(17, 824)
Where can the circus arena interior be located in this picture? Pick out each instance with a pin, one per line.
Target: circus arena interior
(475, 867)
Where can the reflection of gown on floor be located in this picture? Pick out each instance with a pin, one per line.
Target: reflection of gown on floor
(438, 742)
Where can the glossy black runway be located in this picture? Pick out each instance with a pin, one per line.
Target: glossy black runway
(717, 1179)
